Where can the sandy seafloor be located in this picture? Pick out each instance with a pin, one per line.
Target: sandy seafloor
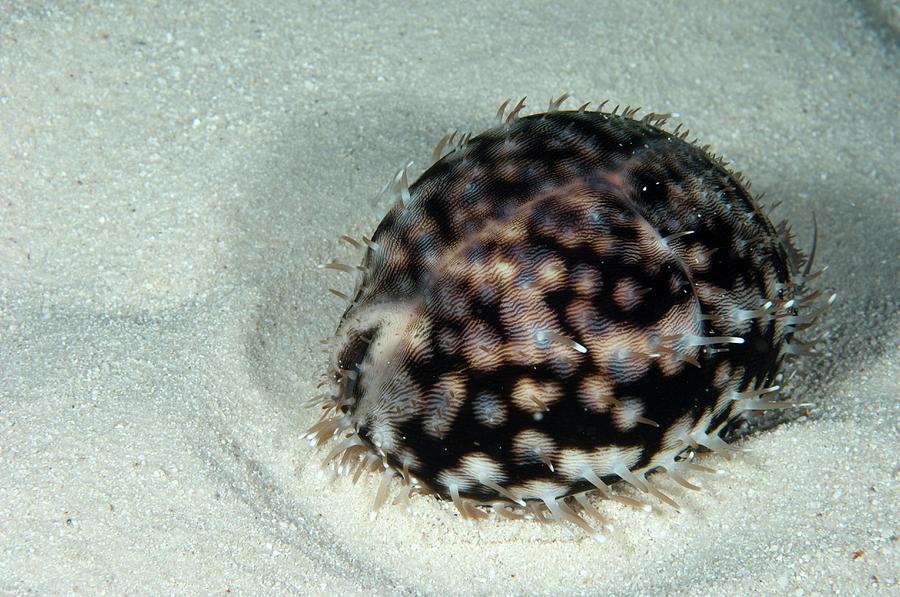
(170, 177)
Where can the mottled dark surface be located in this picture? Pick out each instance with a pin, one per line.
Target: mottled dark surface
(563, 296)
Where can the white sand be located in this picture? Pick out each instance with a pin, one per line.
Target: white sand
(170, 177)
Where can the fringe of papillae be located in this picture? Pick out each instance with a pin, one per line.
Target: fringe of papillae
(350, 455)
